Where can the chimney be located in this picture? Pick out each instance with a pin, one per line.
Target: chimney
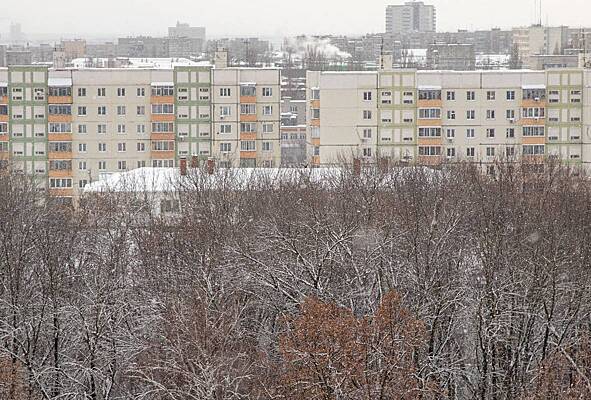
(357, 167)
(183, 166)
(195, 162)
(221, 58)
(383, 165)
(210, 166)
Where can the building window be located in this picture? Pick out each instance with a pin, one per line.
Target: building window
(101, 92)
(429, 113)
(367, 133)
(160, 91)
(451, 96)
(82, 165)
(533, 131)
(248, 109)
(366, 114)
(267, 146)
(120, 92)
(81, 92)
(102, 165)
(267, 92)
(102, 110)
(59, 109)
(225, 147)
(470, 133)
(451, 133)
(141, 92)
(367, 152)
(141, 147)
(511, 115)
(225, 128)
(60, 127)
(470, 151)
(163, 146)
(451, 152)
(162, 127)
(490, 133)
(533, 150)
(121, 128)
(121, 110)
(60, 183)
(315, 113)
(225, 111)
(491, 95)
(429, 132)
(490, 114)
(248, 127)
(140, 128)
(429, 150)
(470, 95)
(82, 147)
(82, 111)
(490, 151)
(162, 108)
(102, 147)
(510, 133)
(121, 147)
(267, 110)
(121, 165)
(141, 110)
(510, 151)
(225, 92)
(268, 128)
(510, 94)
(451, 114)
(470, 114)
(534, 112)
(367, 96)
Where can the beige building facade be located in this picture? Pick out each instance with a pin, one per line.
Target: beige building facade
(434, 117)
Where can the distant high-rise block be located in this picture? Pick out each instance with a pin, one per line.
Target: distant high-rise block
(409, 17)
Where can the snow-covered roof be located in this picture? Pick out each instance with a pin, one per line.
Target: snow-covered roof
(147, 63)
(169, 180)
(61, 82)
(162, 83)
(540, 86)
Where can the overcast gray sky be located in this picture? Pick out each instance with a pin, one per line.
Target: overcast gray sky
(268, 17)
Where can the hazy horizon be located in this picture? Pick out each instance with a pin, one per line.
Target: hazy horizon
(111, 19)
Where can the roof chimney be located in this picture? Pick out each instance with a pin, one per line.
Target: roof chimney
(183, 167)
(210, 166)
(195, 162)
(357, 167)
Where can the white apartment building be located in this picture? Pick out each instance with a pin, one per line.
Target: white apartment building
(432, 117)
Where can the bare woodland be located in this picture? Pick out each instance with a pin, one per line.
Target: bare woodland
(410, 284)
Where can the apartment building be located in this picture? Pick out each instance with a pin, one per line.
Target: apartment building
(431, 117)
(412, 16)
(74, 126)
(539, 40)
(246, 117)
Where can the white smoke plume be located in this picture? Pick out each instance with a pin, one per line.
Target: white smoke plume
(302, 45)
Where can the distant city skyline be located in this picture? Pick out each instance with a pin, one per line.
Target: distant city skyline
(269, 18)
